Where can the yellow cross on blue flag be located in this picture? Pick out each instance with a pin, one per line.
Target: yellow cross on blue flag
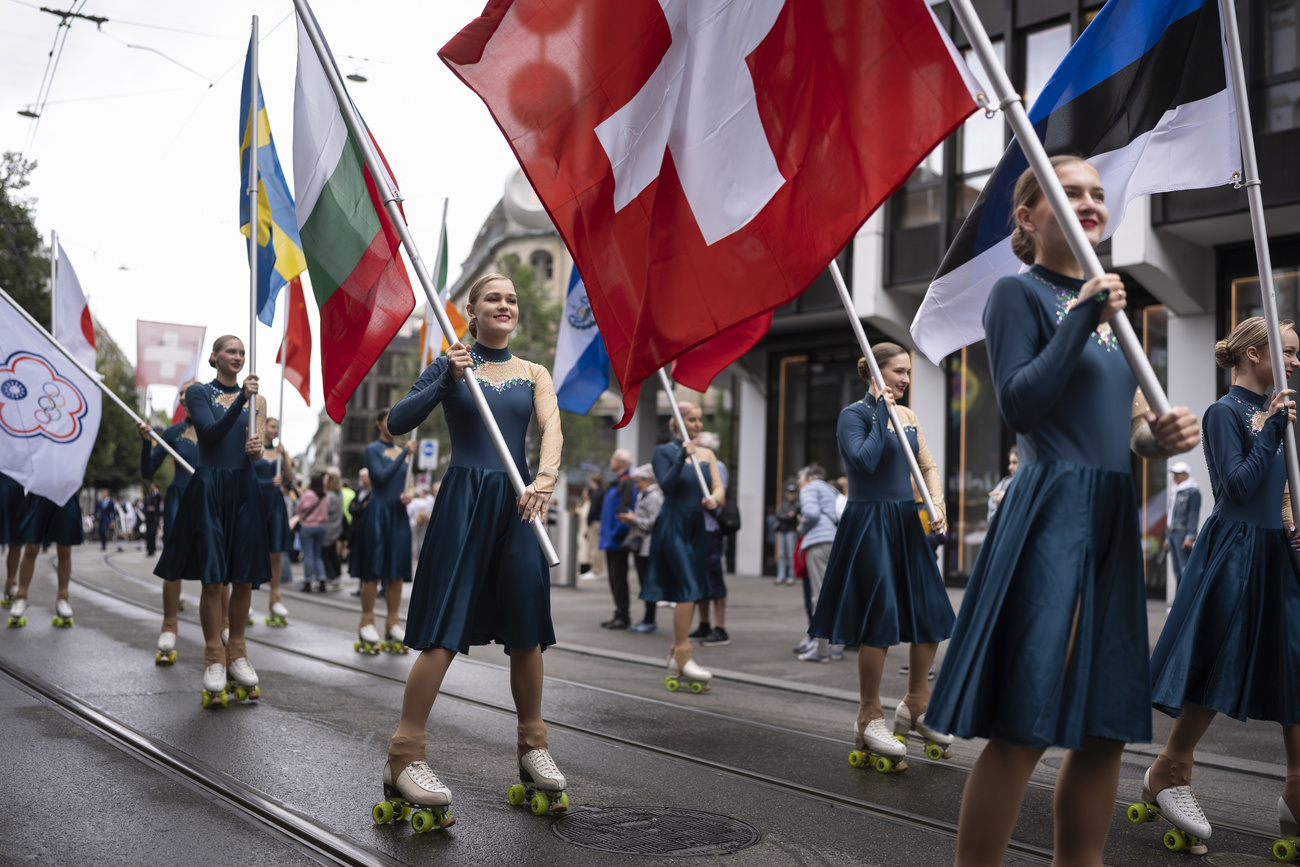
(279, 249)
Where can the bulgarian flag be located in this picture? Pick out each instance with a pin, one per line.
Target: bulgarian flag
(360, 284)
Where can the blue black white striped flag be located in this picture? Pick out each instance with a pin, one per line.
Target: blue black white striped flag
(581, 361)
(1145, 96)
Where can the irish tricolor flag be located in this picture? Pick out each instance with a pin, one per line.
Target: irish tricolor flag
(358, 279)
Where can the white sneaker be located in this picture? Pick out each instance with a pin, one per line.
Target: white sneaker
(63, 608)
(166, 641)
(278, 610)
(879, 739)
(692, 670)
(418, 784)
(214, 678)
(537, 767)
(369, 634)
(811, 655)
(241, 670)
(1179, 806)
(397, 634)
(903, 723)
(806, 645)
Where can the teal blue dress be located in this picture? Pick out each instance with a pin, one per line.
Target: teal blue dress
(381, 545)
(152, 457)
(47, 523)
(1065, 539)
(1232, 640)
(11, 510)
(220, 532)
(882, 584)
(279, 538)
(481, 576)
(679, 555)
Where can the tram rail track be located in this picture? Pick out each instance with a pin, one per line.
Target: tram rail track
(837, 799)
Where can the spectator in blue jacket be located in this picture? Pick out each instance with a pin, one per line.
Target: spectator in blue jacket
(620, 498)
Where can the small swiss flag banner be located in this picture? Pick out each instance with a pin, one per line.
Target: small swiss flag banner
(704, 160)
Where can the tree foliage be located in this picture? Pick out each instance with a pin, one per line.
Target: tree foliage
(115, 460)
(24, 272)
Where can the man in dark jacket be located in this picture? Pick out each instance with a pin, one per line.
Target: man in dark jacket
(153, 506)
(1184, 516)
(620, 498)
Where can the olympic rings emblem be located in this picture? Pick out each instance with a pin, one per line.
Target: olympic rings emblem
(51, 404)
(36, 400)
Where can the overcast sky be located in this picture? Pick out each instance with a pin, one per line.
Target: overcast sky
(139, 162)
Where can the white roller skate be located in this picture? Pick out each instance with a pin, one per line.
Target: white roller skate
(368, 640)
(937, 744)
(1288, 848)
(396, 642)
(878, 747)
(243, 680)
(166, 654)
(542, 786)
(62, 613)
(279, 615)
(18, 613)
(8, 600)
(1178, 805)
(214, 686)
(419, 787)
(692, 676)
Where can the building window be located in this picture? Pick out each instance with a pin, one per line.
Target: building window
(1281, 80)
(1044, 51)
(543, 263)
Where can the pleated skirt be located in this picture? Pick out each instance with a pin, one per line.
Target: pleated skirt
(1065, 540)
(278, 536)
(481, 576)
(45, 522)
(679, 558)
(1232, 641)
(381, 546)
(11, 511)
(882, 585)
(220, 532)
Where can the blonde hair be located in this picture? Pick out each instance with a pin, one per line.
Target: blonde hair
(1026, 195)
(1252, 332)
(476, 292)
(217, 347)
(684, 407)
(882, 352)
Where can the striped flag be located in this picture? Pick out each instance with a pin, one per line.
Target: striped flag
(1144, 96)
(581, 369)
(430, 345)
(361, 286)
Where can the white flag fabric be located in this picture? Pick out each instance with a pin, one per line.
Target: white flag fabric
(49, 411)
(73, 326)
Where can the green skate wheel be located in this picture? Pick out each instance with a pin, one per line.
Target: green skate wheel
(1176, 841)
(382, 813)
(422, 821)
(57, 621)
(934, 752)
(884, 764)
(171, 657)
(207, 698)
(158, 658)
(250, 620)
(697, 687)
(267, 621)
(406, 812)
(857, 759)
(562, 803)
(240, 693)
(540, 804)
(1284, 850)
(1138, 814)
(516, 795)
(902, 739)
(224, 698)
(670, 682)
(356, 645)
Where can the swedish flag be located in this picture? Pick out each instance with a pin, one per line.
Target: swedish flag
(279, 249)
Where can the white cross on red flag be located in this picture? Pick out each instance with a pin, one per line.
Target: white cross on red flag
(704, 160)
(164, 352)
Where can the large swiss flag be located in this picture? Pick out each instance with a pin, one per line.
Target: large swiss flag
(704, 160)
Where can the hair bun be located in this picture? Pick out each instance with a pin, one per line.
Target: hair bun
(1224, 356)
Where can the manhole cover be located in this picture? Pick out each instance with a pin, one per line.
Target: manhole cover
(662, 831)
(1235, 859)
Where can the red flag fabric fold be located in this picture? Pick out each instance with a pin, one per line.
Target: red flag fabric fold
(295, 351)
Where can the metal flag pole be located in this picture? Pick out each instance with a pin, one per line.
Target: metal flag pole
(1011, 103)
(879, 380)
(1255, 197)
(437, 269)
(94, 377)
(254, 219)
(681, 429)
(284, 361)
(54, 281)
(391, 198)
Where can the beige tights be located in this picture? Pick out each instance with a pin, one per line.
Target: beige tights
(1173, 767)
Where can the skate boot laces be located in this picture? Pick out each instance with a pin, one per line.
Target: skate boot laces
(541, 768)
(430, 790)
(214, 677)
(1180, 807)
(242, 671)
(879, 739)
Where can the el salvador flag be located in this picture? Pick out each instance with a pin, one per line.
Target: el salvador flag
(581, 363)
(1145, 96)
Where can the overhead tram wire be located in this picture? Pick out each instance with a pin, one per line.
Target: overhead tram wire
(52, 65)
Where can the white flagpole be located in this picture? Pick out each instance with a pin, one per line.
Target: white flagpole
(879, 380)
(284, 360)
(681, 429)
(54, 281)
(94, 377)
(1255, 197)
(1011, 103)
(437, 269)
(391, 199)
(254, 221)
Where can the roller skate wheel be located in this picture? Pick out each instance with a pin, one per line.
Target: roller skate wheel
(57, 620)
(240, 693)
(902, 739)
(171, 657)
(1139, 814)
(422, 821)
(17, 622)
(207, 698)
(934, 752)
(697, 687)
(540, 804)
(516, 795)
(884, 764)
(382, 813)
(356, 645)
(1284, 850)
(671, 682)
(157, 658)
(250, 620)
(1176, 841)
(561, 803)
(405, 812)
(857, 759)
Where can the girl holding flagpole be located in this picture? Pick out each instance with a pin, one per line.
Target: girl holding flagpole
(220, 533)
(481, 576)
(1229, 645)
(881, 584)
(678, 553)
(183, 438)
(1048, 644)
(47, 523)
(11, 516)
(272, 477)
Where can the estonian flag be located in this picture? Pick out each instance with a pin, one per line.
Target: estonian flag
(1145, 96)
(581, 362)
